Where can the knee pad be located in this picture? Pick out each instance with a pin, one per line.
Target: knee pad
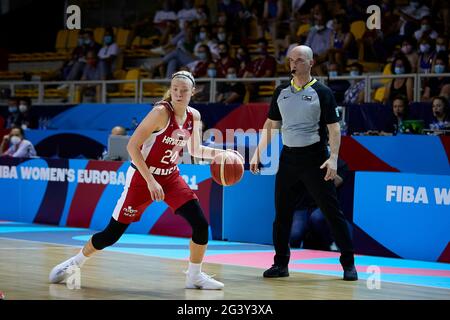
(110, 235)
(193, 213)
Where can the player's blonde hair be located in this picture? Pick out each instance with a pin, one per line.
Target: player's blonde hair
(180, 74)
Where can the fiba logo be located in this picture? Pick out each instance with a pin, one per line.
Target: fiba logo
(130, 212)
(374, 20)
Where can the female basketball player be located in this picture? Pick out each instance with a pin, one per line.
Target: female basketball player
(153, 176)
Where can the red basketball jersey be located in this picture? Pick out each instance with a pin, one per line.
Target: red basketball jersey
(162, 149)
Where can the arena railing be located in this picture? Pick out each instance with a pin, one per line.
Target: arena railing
(65, 92)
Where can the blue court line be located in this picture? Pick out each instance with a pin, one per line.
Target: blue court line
(381, 261)
(405, 279)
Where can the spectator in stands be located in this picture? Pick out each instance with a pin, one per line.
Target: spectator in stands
(27, 120)
(13, 117)
(409, 49)
(426, 55)
(18, 146)
(204, 38)
(426, 29)
(203, 69)
(309, 226)
(230, 92)
(243, 60)
(108, 55)
(399, 86)
(272, 17)
(222, 35)
(264, 66)
(437, 85)
(182, 55)
(441, 114)
(319, 40)
(225, 61)
(337, 86)
(77, 56)
(411, 15)
(188, 13)
(400, 112)
(355, 93)
(235, 14)
(89, 44)
(164, 17)
(199, 67)
(343, 45)
(442, 45)
(91, 72)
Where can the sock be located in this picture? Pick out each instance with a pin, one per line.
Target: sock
(80, 258)
(194, 268)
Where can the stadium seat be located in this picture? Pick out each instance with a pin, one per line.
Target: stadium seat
(99, 32)
(61, 40)
(379, 94)
(358, 28)
(72, 41)
(122, 38)
(303, 30)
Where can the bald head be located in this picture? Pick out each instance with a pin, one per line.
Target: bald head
(303, 51)
(301, 61)
(118, 131)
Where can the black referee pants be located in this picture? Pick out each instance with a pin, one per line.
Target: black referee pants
(299, 171)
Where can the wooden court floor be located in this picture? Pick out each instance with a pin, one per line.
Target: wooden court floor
(24, 268)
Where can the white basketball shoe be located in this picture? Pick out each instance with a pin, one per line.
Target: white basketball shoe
(202, 281)
(63, 270)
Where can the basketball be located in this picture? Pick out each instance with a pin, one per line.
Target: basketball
(227, 168)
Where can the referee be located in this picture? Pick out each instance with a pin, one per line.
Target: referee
(304, 109)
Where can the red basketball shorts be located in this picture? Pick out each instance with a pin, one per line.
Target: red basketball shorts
(136, 197)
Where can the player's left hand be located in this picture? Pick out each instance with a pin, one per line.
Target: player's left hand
(331, 165)
(237, 153)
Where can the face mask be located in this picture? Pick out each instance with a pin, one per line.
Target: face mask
(440, 48)
(23, 108)
(221, 36)
(181, 24)
(424, 48)
(211, 73)
(15, 140)
(87, 41)
(439, 68)
(202, 35)
(332, 73)
(354, 73)
(399, 70)
(406, 49)
(231, 76)
(12, 109)
(107, 39)
(201, 55)
(425, 27)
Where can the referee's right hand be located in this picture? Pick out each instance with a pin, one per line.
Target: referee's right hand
(254, 163)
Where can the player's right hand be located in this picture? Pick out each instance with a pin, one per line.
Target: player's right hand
(255, 164)
(156, 191)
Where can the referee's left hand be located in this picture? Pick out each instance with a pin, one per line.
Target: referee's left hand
(331, 165)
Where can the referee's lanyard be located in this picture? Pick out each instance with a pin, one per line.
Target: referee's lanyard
(308, 84)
